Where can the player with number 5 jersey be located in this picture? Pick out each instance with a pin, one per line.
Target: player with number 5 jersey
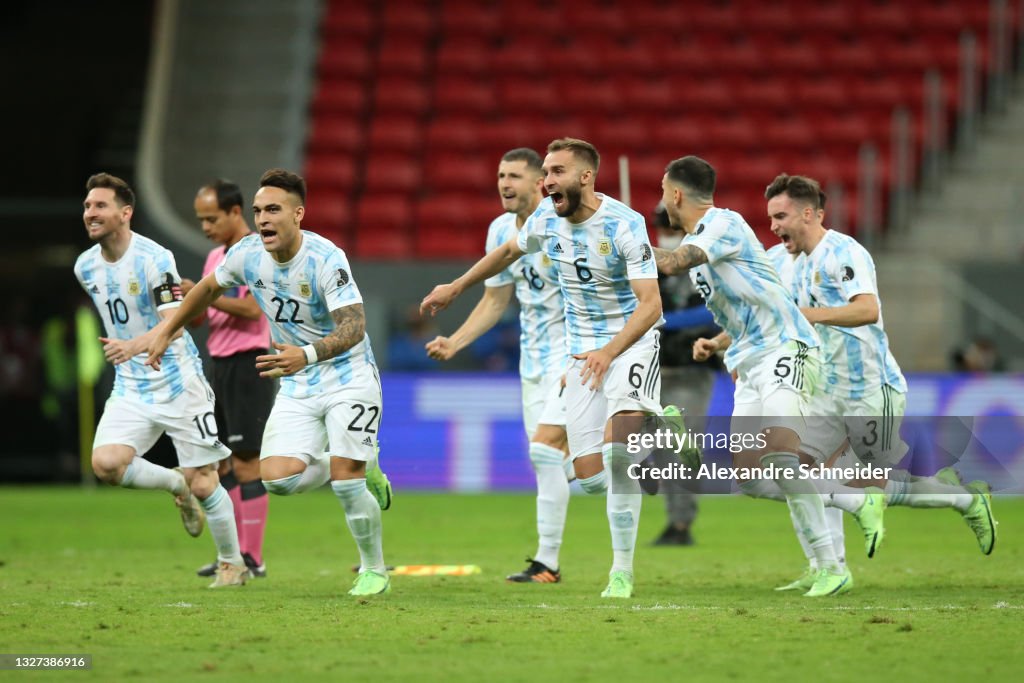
(327, 413)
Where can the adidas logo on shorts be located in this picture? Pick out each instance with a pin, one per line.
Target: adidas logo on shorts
(367, 441)
(634, 394)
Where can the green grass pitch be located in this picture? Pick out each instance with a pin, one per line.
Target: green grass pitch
(111, 573)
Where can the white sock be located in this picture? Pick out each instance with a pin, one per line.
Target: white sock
(142, 474)
(840, 495)
(804, 545)
(896, 490)
(316, 474)
(220, 518)
(806, 506)
(362, 513)
(596, 484)
(623, 509)
(762, 488)
(552, 501)
(929, 492)
(834, 517)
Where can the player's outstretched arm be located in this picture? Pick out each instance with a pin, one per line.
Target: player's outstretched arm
(489, 266)
(862, 310)
(646, 314)
(485, 315)
(672, 261)
(241, 307)
(195, 302)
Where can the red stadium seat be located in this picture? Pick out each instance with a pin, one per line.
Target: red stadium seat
(401, 95)
(344, 59)
(328, 214)
(340, 96)
(460, 18)
(471, 172)
(464, 96)
(407, 20)
(336, 135)
(384, 227)
(464, 58)
(402, 57)
(456, 133)
(387, 173)
(344, 21)
(331, 172)
(396, 134)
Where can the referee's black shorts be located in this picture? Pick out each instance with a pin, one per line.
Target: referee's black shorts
(244, 400)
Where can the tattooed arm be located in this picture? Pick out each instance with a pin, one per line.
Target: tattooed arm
(683, 257)
(349, 329)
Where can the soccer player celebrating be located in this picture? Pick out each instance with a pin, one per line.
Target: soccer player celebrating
(238, 333)
(534, 280)
(771, 347)
(865, 392)
(134, 283)
(609, 282)
(330, 396)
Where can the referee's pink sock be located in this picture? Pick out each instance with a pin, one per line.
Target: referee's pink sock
(253, 505)
(230, 484)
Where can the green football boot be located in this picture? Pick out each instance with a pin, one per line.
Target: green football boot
(803, 583)
(979, 516)
(870, 517)
(370, 583)
(826, 583)
(620, 585)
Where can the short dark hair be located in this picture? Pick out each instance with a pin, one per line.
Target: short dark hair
(122, 191)
(694, 174)
(530, 156)
(581, 149)
(285, 180)
(229, 194)
(799, 188)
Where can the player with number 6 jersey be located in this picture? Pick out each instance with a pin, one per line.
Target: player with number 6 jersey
(612, 304)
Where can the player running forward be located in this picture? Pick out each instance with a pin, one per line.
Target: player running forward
(330, 396)
(864, 395)
(609, 283)
(134, 283)
(543, 357)
(771, 347)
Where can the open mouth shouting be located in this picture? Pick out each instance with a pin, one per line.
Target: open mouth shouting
(267, 235)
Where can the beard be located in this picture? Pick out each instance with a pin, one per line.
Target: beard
(573, 199)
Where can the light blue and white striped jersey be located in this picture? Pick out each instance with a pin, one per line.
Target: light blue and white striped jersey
(742, 289)
(129, 295)
(541, 308)
(857, 359)
(785, 265)
(297, 297)
(596, 260)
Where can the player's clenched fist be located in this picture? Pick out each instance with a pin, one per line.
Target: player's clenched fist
(441, 348)
(704, 349)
